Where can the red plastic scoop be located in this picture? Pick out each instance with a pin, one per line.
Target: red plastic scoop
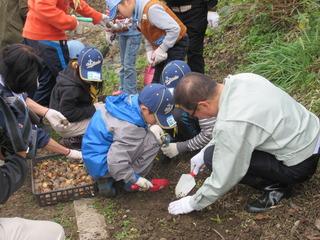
(158, 184)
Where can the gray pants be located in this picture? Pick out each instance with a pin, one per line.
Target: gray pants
(24, 229)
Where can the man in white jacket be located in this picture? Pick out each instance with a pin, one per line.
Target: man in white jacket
(262, 138)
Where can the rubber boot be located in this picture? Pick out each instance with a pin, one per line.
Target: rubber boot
(106, 188)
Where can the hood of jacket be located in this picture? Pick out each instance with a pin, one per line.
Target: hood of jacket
(125, 107)
(69, 77)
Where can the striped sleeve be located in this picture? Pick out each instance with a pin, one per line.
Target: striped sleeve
(205, 135)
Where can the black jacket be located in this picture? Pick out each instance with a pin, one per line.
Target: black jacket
(42, 136)
(71, 96)
(14, 170)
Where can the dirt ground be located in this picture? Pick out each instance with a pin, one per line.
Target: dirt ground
(144, 215)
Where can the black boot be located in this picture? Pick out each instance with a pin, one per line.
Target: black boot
(271, 197)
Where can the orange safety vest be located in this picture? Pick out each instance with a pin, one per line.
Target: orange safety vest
(154, 34)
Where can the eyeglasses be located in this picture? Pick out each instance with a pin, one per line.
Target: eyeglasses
(194, 111)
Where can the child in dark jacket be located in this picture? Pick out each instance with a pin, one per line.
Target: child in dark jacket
(75, 94)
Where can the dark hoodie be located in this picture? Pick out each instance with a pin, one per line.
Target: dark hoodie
(71, 96)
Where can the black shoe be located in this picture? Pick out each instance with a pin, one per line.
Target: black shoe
(271, 197)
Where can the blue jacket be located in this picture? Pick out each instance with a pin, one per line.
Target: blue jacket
(113, 138)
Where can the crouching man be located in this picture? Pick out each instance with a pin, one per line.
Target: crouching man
(262, 138)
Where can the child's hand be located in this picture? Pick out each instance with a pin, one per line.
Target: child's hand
(144, 184)
(159, 56)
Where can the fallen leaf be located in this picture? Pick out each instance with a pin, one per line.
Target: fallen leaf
(261, 217)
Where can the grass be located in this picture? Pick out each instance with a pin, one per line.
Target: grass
(112, 213)
(264, 37)
(107, 209)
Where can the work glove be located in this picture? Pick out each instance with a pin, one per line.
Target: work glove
(157, 132)
(149, 51)
(105, 21)
(171, 150)
(56, 119)
(74, 154)
(213, 19)
(197, 162)
(181, 206)
(158, 56)
(143, 184)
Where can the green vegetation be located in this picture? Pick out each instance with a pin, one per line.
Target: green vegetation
(279, 40)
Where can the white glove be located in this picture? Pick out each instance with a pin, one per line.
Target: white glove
(144, 184)
(56, 119)
(213, 19)
(181, 206)
(105, 20)
(171, 150)
(149, 51)
(197, 162)
(157, 132)
(158, 56)
(74, 154)
(110, 37)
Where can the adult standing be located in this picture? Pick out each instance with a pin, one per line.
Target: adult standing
(262, 138)
(13, 18)
(195, 15)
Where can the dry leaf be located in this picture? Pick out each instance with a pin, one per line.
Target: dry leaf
(317, 223)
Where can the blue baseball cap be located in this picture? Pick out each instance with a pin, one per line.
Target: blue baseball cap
(90, 64)
(173, 72)
(160, 102)
(112, 5)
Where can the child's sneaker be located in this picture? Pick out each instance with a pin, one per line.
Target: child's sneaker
(106, 188)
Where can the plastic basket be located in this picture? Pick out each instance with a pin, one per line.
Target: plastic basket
(60, 195)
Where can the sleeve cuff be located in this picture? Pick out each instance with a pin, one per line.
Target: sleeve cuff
(182, 146)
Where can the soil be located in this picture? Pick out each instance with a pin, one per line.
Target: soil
(226, 219)
(144, 215)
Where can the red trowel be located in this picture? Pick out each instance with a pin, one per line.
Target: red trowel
(185, 184)
(158, 184)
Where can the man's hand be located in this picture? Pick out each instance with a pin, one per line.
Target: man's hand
(157, 132)
(197, 162)
(144, 184)
(171, 150)
(74, 154)
(181, 206)
(56, 119)
(158, 56)
(213, 19)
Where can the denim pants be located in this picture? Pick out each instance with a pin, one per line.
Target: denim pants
(129, 46)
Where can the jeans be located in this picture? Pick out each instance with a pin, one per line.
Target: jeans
(177, 52)
(196, 22)
(265, 169)
(129, 46)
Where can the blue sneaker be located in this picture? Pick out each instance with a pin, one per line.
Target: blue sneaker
(106, 188)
